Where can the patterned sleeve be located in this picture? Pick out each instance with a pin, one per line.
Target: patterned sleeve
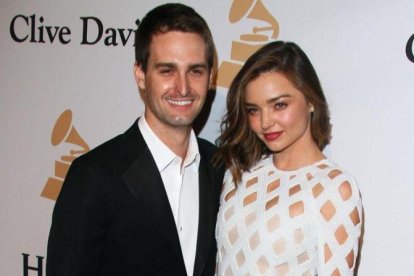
(228, 185)
(339, 213)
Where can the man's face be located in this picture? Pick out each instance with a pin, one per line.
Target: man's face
(176, 80)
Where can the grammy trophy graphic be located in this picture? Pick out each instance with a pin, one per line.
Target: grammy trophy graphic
(250, 42)
(63, 132)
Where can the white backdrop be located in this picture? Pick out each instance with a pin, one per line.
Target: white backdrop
(358, 49)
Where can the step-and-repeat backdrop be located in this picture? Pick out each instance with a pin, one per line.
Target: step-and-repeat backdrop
(66, 85)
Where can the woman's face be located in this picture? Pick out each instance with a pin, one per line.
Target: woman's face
(278, 113)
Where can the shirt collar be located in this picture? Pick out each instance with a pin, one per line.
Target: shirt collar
(162, 154)
(193, 154)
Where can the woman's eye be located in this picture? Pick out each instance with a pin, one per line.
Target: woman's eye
(280, 105)
(252, 111)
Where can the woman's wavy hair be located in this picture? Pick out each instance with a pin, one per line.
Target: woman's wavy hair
(239, 147)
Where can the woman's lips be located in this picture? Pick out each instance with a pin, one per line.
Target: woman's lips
(272, 135)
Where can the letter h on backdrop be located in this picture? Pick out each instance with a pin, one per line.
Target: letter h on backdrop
(26, 266)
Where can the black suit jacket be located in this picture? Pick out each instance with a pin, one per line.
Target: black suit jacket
(113, 216)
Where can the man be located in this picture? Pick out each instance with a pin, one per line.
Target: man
(145, 202)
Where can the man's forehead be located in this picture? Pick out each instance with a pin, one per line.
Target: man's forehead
(178, 48)
(177, 36)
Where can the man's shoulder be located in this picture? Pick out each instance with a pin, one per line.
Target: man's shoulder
(102, 154)
(107, 148)
(207, 151)
(206, 147)
(114, 150)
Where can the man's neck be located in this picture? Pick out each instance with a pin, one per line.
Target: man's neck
(177, 141)
(175, 138)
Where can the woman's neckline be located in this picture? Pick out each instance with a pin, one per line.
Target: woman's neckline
(292, 171)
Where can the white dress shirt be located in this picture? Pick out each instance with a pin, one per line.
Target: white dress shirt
(181, 185)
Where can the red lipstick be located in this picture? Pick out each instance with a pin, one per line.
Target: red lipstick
(272, 135)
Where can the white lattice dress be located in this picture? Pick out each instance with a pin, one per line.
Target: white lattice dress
(302, 222)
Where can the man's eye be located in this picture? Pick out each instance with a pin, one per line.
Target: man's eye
(197, 72)
(165, 71)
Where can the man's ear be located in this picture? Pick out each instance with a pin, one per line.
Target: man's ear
(139, 75)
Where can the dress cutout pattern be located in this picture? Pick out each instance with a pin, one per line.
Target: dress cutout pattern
(303, 222)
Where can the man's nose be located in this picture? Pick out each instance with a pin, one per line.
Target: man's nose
(182, 84)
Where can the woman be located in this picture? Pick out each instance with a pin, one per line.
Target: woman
(285, 208)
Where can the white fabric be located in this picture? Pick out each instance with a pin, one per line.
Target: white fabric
(261, 231)
(181, 185)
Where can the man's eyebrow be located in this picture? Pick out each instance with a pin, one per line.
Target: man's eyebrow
(198, 65)
(165, 64)
(202, 65)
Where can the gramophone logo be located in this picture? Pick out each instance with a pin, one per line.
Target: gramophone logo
(266, 30)
(63, 132)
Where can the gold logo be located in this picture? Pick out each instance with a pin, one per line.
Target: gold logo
(249, 43)
(63, 131)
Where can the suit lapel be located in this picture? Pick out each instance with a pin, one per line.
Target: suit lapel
(206, 221)
(144, 180)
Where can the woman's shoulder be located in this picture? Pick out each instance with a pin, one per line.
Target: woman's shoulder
(262, 167)
(328, 175)
(326, 168)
